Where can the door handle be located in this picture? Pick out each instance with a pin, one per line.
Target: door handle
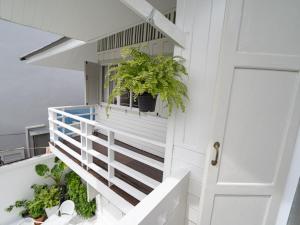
(216, 147)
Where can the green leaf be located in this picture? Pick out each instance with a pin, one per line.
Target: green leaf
(41, 169)
(158, 75)
(77, 192)
(56, 160)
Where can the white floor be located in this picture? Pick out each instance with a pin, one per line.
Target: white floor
(76, 221)
(80, 221)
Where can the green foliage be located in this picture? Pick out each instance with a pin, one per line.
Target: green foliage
(47, 196)
(77, 192)
(44, 197)
(55, 173)
(41, 169)
(19, 204)
(157, 75)
(35, 206)
(36, 209)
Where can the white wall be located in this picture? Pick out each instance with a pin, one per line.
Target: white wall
(26, 91)
(148, 126)
(189, 133)
(16, 180)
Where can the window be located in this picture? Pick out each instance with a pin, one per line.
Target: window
(126, 99)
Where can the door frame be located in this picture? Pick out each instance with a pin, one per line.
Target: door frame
(290, 187)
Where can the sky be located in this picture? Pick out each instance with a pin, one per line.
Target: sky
(26, 91)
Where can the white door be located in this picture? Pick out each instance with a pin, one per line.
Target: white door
(92, 83)
(257, 115)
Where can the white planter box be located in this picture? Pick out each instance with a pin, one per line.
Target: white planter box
(51, 211)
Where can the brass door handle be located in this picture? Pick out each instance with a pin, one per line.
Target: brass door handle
(216, 147)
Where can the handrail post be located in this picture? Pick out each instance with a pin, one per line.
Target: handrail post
(91, 113)
(63, 119)
(83, 141)
(52, 126)
(89, 143)
(111, 155)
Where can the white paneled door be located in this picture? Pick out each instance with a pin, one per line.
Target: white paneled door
(257, 113)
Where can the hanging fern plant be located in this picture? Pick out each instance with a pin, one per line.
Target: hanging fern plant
(143, 74)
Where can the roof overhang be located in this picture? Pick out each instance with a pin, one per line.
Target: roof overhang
(90, 20)
(85, 22)
(70, 55)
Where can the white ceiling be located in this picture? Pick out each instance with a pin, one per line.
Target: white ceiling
(85, 20)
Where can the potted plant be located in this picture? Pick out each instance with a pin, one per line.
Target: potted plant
(50, 197)
(56, 173)
(28, 209)
(46, 197)
(32, 208)
(148, 77)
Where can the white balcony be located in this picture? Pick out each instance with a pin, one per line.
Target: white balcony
(125, 166)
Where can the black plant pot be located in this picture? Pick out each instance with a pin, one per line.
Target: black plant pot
(146, 102)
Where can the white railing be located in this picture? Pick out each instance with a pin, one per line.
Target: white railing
(166, 205)
(65, 124)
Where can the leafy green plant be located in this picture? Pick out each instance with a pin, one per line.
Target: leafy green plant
(47, 196)
(157, 75)
(55, 173)
(77, 192)
(44, 197)
(23, 204)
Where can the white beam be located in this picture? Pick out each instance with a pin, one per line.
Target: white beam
(157, 19)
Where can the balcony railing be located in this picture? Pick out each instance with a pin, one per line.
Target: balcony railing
(164, 206)
(121, 172)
